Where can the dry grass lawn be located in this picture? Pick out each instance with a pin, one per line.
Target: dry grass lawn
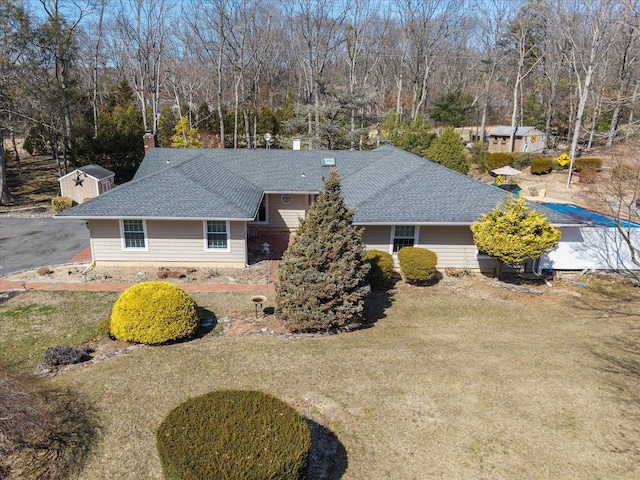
(459, 380)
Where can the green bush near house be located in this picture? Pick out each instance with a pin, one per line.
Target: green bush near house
(60, 204)
(154, 312)
(498, 159)
(418, 265)
(382, 270)
(541, 166)
(239, 434)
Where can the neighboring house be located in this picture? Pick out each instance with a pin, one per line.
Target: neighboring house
(87, 182)
(208, 207)
(526, 139)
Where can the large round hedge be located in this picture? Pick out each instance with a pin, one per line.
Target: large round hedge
(418, 265)
(154, 312)
(239, 434)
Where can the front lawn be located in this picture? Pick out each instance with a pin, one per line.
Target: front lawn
(458, 380)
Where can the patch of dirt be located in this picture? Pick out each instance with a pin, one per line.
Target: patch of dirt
(257, 273)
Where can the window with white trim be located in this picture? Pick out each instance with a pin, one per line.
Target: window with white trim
(133, 234)
(217, 235)
(403, 236)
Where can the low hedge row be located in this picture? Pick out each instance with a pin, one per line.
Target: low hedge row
(239, 434)
(418, 265)
(542, 166)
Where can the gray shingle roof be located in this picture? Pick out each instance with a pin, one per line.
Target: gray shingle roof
(386, 185)
(503, 131)
(93, 170)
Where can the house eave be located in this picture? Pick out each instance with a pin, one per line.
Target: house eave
(142, 217)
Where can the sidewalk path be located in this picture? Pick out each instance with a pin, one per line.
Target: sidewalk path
(10, 285)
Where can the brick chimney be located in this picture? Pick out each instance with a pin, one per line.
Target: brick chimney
(150, 141)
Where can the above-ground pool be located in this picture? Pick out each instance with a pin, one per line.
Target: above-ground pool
(587, 216)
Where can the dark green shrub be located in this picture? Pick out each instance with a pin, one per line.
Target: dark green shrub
(234, 434)
(382, 270)
(541, 166)
(590, 163)
(60, 204)
(418, 265)
(498, 159)
(154, 312)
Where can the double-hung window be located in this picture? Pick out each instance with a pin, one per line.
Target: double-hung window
(217, 235)
(403, 236)
(133, 234)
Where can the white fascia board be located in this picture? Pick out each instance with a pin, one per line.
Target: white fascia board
(134, 217)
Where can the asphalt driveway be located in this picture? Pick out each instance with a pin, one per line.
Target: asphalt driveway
(27, 243)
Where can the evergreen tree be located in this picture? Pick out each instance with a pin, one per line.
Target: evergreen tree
(414, 137)
(448, 151)
(322, 278)
(453, 109)
(513, 233)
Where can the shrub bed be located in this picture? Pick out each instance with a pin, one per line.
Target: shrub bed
(239, 434)
(541, 166)
(418, 265)
(381, 271)
(154, 312)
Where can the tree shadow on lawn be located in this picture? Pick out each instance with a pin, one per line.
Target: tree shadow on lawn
(619, 360)
(328, 458)
(376, 305)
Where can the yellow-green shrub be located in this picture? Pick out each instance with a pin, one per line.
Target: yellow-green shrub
(239, 434)
(587, 163)
(154, 312)
(60, 204)
(541, 166)
(381, 270)
(498, 159)
(418, 265)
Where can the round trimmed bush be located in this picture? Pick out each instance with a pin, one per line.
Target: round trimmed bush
(154, 312)
(240, 434)
(381, 270)
(418, 265)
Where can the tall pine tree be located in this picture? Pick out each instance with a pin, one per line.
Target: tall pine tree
(321, 280)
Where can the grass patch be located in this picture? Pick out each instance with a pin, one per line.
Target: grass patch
(457, 380)
(33, 321)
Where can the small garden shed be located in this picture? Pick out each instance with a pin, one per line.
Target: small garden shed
(86, 182)
(526, 139)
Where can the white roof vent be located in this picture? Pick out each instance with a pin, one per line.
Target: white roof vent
(328, 162)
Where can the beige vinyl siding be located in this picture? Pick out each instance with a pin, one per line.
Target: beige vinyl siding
(169, 242)
(453, 245)
(286, 216)
(376, 237)
(88, 189)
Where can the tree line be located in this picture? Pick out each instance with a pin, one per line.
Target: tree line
(83, 80)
